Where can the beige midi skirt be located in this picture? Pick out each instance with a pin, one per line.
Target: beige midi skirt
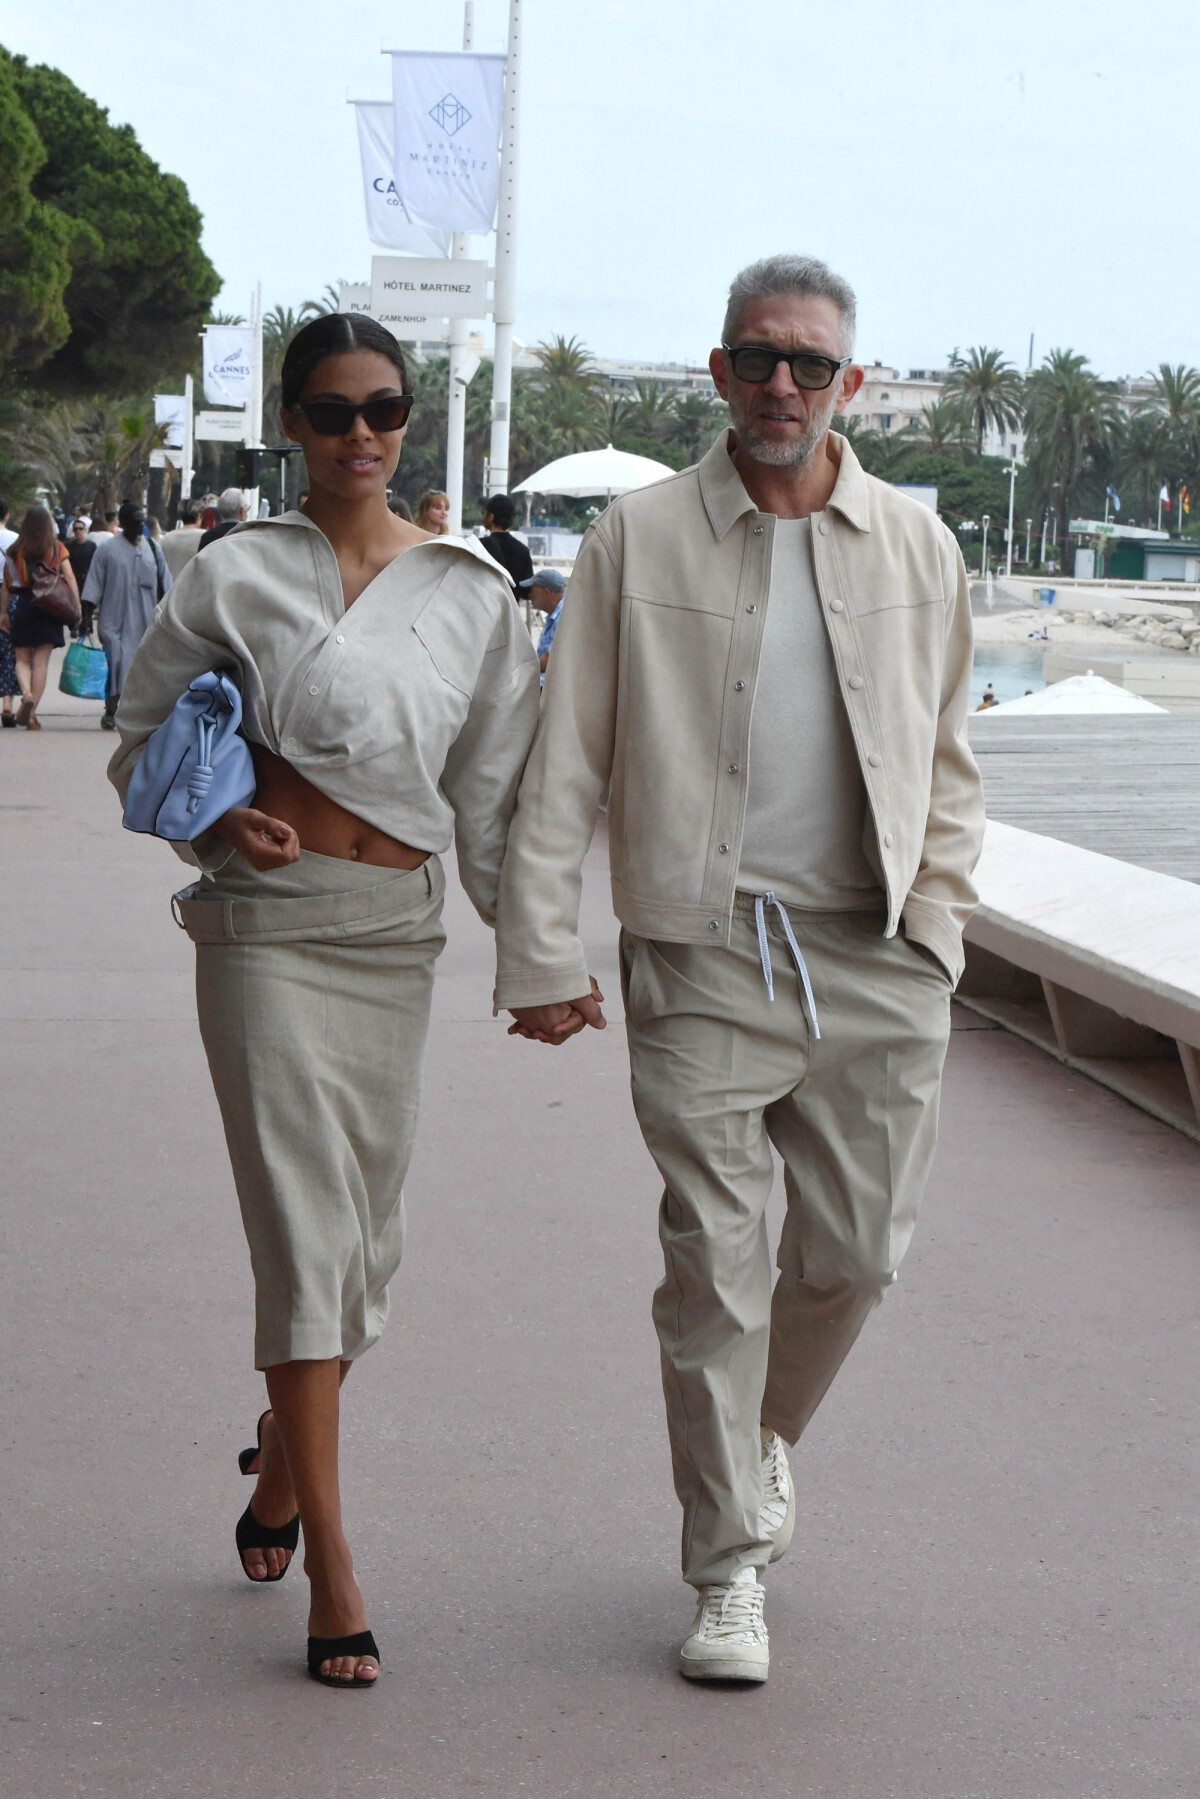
(313, 989)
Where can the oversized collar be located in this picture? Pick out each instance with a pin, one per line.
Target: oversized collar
(726, 500)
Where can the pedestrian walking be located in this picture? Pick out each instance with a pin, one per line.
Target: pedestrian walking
(81, 549)
(545, 590)
(181, 544)
(512, 555)
(32, 633)
(231, 512)
(9, 686)
(433, 512)
(127, 579)
(105, 527)
(390, 696)
(765, 669)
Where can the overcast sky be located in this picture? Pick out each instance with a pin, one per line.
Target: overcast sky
(978, 169)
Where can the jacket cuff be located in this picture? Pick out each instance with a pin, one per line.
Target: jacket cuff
(931, 924)
(540, 987)
(207, 852)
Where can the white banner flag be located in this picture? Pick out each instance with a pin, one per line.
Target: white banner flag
(447, 110)
(171, 410)
(228, 364)
(388, 224)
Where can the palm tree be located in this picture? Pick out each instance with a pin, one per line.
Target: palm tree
(942, 427)
(1175, 406)
(1071, 420)
(566, 362)
(1143, 461)
(694, 421)
(988, 389)
(1176, 398)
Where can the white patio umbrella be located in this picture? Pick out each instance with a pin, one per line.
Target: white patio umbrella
(591, 472)
(1078, 693)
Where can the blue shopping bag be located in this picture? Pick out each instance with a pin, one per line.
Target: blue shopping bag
(85, 671)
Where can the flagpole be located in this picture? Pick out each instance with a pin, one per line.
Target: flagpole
(1012, 491)
(456, 400)
(505, 290)
(187, 472)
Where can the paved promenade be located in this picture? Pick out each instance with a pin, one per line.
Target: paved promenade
(993, 1589)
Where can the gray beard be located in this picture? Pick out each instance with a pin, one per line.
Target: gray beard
(779, 455)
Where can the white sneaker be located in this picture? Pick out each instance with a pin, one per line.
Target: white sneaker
(777, 1516)
(729, 1639)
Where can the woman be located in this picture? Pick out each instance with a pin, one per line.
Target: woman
(33, 634)
(128, 577)
(390, 697)
(433, 512)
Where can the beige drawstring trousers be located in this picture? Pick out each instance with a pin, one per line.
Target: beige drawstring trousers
(721, 1073)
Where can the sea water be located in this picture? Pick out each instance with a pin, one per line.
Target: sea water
(1011, 668)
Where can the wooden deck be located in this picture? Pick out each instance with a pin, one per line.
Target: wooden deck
(1127, 787)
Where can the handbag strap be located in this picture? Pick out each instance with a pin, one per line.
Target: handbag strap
(201, 778)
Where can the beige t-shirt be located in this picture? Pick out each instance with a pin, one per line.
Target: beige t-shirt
(806, 804)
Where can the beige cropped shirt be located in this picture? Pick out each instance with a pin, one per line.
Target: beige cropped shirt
(414, 708)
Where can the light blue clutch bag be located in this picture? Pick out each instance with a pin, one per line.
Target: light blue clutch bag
(195, 767)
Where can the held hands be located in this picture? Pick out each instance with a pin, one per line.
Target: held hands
(265, 842)
(555, 1023)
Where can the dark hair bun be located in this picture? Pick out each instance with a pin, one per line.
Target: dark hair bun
(332, 335)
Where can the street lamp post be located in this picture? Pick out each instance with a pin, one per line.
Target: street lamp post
(1012, 494)
(983, 553)
(1028, 539)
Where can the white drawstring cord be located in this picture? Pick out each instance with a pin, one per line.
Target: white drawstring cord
(761, 902)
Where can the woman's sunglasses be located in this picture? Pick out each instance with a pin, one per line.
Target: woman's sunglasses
(335, 418)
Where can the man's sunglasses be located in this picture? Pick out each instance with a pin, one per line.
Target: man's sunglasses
(755, 362)
(335, 418)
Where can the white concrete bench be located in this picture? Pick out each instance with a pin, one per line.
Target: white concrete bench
(1095, 960)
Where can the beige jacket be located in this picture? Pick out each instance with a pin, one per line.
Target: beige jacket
(414, 709)
(648, 703)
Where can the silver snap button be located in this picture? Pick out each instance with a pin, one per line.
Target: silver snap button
(723, 849)
(856, 681)
(875, 759)
(836, 606)
(714, 924)
(313, 690)
(738, 686)
(339, 638)
(752, 609)
(758, 530)
(733, 768)
(887, 840)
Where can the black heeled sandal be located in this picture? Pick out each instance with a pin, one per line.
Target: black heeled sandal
(327, 1649)
(251, 1533)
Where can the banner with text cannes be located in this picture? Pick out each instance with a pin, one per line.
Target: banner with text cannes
(228, 364)
(387, 222)
(447, 137)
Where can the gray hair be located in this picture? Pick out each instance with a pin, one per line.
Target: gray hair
(230, 503)
(791, 275)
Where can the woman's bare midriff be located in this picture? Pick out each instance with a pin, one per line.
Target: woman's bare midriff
(320, 823)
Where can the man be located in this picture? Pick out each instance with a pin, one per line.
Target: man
(545, 590)
(765, 669)
(231, 510)
(127, 579)
(105, 527)
(512, 555)
(180, 545)
(7, 536)
(81, 549)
